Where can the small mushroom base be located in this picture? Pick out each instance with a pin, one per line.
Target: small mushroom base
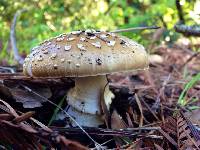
(84, 119)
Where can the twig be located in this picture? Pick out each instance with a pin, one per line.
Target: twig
(189, 59)
(157, 102)
(135, 28)
(8, 69)
(17, 57)
(150, 109)
(128, 132)
(23, 117)
(140, 108)
(166, 135)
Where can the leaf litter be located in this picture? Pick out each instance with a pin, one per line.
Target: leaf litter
(144, 113)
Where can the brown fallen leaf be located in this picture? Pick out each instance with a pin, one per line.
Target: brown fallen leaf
(28, 99)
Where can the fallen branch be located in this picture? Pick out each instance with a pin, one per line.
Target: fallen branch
(17, 57)
(128, 132)
(188, 30)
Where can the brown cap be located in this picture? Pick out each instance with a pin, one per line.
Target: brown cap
(85, 53)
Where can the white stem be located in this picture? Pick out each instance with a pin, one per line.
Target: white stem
(85, 96)
(84, 100)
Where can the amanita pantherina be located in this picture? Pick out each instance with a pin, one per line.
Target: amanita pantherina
(88, 56)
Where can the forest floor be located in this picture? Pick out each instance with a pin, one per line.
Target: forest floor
(158, 109)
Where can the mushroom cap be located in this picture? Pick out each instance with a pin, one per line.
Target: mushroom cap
(85, 53)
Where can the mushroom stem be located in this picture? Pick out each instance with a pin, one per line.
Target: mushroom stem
(84, 100)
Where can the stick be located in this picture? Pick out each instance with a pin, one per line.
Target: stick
(190, 59)
(17, 57)
(193, 30)
(135, 28)
(128, 132)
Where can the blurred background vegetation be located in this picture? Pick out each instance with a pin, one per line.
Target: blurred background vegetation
(46, 18)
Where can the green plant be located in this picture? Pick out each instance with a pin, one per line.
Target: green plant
(57, 110)
(183, 101)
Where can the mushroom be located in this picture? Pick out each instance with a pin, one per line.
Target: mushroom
(88, 57)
